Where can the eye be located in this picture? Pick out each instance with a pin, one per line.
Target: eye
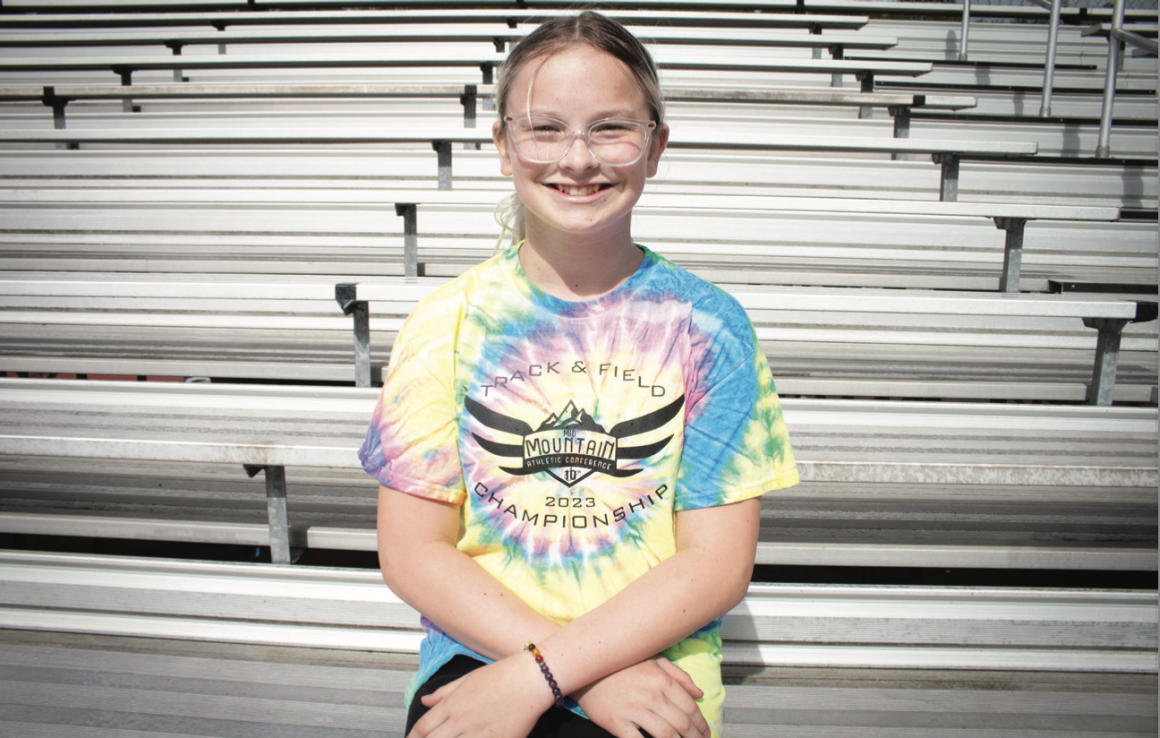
(615, 132)
(612, 127)
(544, 127)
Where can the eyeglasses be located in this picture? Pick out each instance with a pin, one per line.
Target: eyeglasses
(543, 139)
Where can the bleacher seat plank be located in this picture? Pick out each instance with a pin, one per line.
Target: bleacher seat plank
(228, 424)
(435, 34)
(811, 335)
(813, 524)
(352, 16)
(815, 626)
(794, 702)
(406, 58)
(751, 173)
(751, 94)
(947, 154)
(1006, 43)
(955, 10)
(950, 77)
(342, 228)
(162, 687)
(735, 141)
(1006, 555)
(992, 445)
(821, 6)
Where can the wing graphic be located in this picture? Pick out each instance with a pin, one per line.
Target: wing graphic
(641, 452)
(497, 421)
(649, 422)
(499, 449)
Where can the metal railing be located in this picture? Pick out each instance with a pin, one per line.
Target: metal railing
(1118, 37)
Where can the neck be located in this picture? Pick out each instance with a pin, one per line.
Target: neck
(581, 267)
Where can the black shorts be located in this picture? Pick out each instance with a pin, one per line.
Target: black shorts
(555, 723)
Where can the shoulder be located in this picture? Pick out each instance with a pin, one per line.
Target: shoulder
(449, 302)
(707, 305)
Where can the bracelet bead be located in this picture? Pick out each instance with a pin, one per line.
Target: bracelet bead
(556, 694)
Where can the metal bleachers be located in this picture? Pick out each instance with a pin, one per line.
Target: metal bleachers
(972, 550)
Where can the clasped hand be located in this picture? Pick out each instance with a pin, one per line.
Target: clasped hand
(505, 699)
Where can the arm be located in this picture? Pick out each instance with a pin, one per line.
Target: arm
(421, 564)
(708, 575)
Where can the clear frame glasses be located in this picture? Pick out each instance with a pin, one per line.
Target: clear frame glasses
(616, 142)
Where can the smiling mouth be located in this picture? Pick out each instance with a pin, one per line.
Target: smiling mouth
(580, 190)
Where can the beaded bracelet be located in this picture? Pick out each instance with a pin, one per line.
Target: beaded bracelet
(531, 648)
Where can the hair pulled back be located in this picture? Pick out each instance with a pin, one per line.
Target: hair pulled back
(551, 37)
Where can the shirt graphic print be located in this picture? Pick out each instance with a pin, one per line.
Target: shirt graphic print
(572, 433)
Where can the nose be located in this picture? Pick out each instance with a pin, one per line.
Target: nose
(578, 157)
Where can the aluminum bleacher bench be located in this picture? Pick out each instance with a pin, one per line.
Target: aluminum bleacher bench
(103, 211)
(948, 154)
(793, 323)
(238, 327)
(186, 647)
(1072, 15)
(892, 451)
(726, 238)
(822, 341)
(787, 6)
(497, 35)
(511, 16)
(57, 98)
(125, 66)
(953, 77)
(1011, 218)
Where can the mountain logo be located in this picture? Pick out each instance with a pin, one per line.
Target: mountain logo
(570, 445)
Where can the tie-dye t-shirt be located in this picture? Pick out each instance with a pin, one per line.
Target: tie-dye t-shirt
(570, 433)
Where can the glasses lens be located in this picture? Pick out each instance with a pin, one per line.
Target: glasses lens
(539, 139)
(617, 141)
(613, 142)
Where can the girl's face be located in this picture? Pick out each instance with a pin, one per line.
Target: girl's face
(578, 195)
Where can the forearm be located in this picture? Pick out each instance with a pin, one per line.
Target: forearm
(470, 605)
(431, 575)
(705, 578)
(666, 604)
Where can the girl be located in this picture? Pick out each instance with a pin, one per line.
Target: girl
(573, 436)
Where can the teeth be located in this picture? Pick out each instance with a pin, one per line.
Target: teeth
(579, 191)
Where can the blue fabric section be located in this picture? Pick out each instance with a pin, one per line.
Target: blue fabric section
(437, 649)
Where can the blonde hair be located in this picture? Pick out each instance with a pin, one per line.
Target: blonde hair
(552, 37)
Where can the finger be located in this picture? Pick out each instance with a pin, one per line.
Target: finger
(660, 722)
(430, 700)
(681, 677)
(434, 718)
(422, 728)
(678, 715)
(678, 708)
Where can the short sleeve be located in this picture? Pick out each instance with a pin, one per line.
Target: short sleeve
(736, 444)
(412, 442)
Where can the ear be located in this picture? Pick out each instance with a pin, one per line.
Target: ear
(501, 145)
(657, 145)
